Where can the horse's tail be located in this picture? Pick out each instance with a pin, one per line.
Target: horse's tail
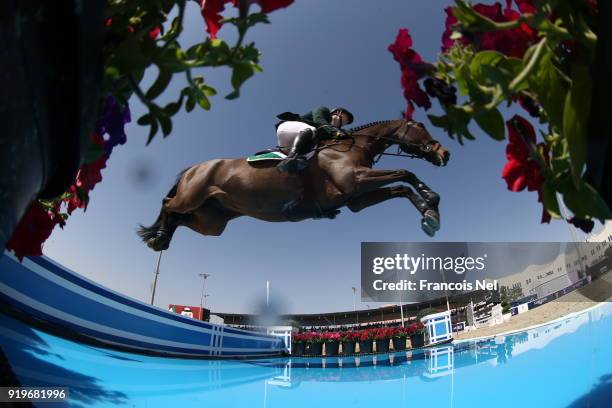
(146, 233)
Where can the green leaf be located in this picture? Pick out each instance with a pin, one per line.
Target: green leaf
(172, 108)
(146, 119)
(492, 122)
(203, 101)
(208, 90)
(242, 71)
(129, 57)
(576, 118)
(166, 124)
(233, 95)
(483, 59)
(439, 121)
(160, 84)
(455, 122)
(550, 89)
(549, 199)
(190, 103)
(463, 77)
(258, 18)
(584, 201)
(152, 131)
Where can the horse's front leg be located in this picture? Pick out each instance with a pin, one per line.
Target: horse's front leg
(368, 179)
(430, 223)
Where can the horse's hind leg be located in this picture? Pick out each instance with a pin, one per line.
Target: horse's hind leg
(210, 219)
(169, 222)
(430, 223)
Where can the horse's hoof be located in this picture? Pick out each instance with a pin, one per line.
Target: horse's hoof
(427, 229)
(158, 244)
(430, 223)
(432, 218)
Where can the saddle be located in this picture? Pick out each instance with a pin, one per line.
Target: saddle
(273, 155)
(267, 155)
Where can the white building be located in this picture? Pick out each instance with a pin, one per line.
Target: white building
(567, 268)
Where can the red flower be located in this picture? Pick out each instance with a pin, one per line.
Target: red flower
(211, 11)
(268, 6)
(520, 171)
(512, 42)
(154, 33)
(524, 6)
(33, 229)
(413, 68)
(88, 176)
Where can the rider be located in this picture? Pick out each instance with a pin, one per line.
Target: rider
(303, 132)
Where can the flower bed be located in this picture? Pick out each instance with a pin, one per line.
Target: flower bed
(311, 342)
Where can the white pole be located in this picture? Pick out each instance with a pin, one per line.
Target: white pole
(204, 276)
(445, 292)
(267, 294)
(155, 277)
(355, 303)
(401, 305)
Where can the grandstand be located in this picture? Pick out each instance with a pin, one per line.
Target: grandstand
(387, 315)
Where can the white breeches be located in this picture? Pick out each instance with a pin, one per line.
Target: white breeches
(288, 131)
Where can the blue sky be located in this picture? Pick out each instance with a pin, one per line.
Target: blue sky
(315, 53)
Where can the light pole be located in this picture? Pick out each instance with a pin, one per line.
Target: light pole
(155, 277)
(355, 303)
(400, 301)
(203, 276)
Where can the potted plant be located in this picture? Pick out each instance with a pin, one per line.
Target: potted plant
(348, 341)
(298, 346)
(315, 341)
(382, 336)
(417, 335)
(331, 343)
(366, 338)
(399, 338)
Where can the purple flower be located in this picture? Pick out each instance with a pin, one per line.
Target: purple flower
(111, 122)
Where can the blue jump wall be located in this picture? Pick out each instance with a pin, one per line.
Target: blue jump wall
(43, 291)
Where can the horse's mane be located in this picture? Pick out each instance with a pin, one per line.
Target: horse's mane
(370, 124)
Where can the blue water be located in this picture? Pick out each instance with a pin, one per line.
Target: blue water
(565, 364)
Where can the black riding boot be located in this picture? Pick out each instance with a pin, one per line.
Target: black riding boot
(295, 161)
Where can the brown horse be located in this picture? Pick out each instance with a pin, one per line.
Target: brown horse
(210, 194)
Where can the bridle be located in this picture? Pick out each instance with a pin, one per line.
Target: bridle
(404, 149)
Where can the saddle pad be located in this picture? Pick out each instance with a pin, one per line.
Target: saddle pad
(266, 156)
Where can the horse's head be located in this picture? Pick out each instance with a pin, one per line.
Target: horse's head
(413, 138)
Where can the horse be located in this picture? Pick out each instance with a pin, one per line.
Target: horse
(208, 195)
